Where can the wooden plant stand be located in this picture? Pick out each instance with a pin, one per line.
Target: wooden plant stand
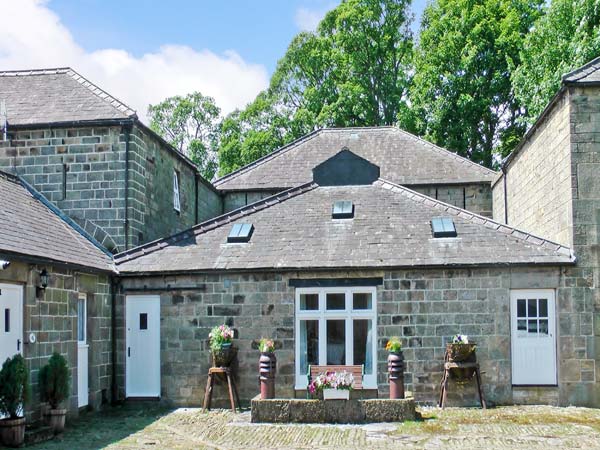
(212, 374)
(460, 365)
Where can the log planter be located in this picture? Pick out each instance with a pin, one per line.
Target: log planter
(12, 432)
(396, 374)
(267, 369)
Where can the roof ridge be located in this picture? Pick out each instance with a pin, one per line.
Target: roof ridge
(268, 156)
(213, 223)
(101, 93)
(479, 219)
(444, 151)
(574, 72)
(26, 72)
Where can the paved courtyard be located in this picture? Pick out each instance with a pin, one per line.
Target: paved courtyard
(533, 427)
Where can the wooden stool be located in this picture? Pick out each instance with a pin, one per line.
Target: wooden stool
(446, 376)
(212, 374)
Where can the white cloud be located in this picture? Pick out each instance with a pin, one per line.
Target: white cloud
(33, 37)
(308, 19)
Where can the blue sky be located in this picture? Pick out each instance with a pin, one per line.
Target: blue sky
(258, 30)
(145, 51)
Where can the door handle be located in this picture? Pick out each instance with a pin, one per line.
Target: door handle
(18, 345)
(128, 352)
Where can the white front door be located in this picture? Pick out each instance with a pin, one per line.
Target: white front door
(11, 321)
(533, 337)
(82, 352)
(142, 346)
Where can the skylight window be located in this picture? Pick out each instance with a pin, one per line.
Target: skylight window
(443, 227)
(240, 232)
(343, 210)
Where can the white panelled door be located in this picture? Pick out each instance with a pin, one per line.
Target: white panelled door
(142, 346)
(533, 337)
(11, 321)
(82, 352)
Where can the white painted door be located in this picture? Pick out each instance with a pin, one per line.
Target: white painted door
(82, 352)
(533, 337)
(142, 341)
(11, 321)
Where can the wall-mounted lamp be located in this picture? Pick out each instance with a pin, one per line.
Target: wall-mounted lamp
(43, 284)
(4, 264)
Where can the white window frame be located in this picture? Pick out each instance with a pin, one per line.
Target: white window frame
(176, 197)
(348, 314)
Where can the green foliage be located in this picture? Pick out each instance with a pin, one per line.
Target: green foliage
(462, 96)
(191, 125)
(566, 37)
(353, 71)
(14, 386)
(54, 380)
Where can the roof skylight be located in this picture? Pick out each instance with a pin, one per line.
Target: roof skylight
(240, 232)
(443, 227)
(343, 209)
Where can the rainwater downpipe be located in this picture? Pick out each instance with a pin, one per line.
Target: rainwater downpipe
(127, 132)
(504, 176)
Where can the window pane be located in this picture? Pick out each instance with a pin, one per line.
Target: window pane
(363, 344)
(309, 302)
(362, 300)
(532, 307)
(521, 308)
(309, 344)
(7, 320)
(543, 328)
(143, 321)
(521, 325)
(336, 301)
(81, 320)
(336, 342)
(532, 326)
(543, 307)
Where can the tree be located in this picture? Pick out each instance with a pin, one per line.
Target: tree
(462, 95)
(191, 125)
(566, 37)
(353, 71)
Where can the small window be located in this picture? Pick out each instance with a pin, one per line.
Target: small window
(443, 227)
(176, 199)
(343, 210)
(81, 319)
(7, 320)
(143, 321)
(240, 232)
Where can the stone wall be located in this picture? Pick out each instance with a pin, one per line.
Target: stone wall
(424, 307)
(472, 197)
(82, 171)
(52, 315)
(538, 180)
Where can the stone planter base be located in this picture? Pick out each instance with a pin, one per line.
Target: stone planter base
(332, 411)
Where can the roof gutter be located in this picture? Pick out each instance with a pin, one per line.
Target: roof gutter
(40, 260)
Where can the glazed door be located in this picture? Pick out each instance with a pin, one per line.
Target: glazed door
(82, 352)
(11, 321)
(142, 346)
(533, 337)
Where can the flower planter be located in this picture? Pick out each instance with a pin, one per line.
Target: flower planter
(336, 394)
(12, 432)
(396, 374)
(267, 367)
(460, 352)
(56, 420)
(223, 356)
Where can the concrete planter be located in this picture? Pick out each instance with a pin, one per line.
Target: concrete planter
(12, 432)
(336, 394)
(56, 420)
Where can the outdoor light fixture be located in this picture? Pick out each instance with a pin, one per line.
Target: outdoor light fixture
(4, 264)
(44, 278)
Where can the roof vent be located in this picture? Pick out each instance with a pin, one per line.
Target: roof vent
(343, 210)
(240, 232)
(443, 227)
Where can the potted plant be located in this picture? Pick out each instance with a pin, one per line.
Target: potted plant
(395, 367)
(14, 392)
(54, 388)
(333, 385)
(460, 349)
(267, 367)
(221, 345)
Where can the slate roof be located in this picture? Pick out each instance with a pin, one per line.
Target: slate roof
(294, 230)
(29, 228)
(403, 158)
(587, 74)
(54, 96)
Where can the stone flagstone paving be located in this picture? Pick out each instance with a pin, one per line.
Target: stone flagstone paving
(149, 427)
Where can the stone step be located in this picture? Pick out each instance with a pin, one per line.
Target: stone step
(38, 434)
